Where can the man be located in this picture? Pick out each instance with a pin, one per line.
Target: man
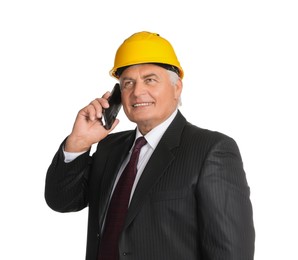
(189, 198)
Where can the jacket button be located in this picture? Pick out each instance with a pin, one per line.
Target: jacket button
(98, 235)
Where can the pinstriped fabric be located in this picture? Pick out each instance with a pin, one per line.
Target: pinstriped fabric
(200, 207)
(61, 193)
(225, 206)
(191, 202)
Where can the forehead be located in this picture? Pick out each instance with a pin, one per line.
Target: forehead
(142, 70)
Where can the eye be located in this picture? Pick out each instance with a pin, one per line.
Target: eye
(150, 80)
(127, 84)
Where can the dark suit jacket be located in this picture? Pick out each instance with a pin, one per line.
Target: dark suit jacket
(191, 203)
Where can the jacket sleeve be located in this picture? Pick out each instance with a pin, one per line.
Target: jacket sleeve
(66, 183)
(225, 210)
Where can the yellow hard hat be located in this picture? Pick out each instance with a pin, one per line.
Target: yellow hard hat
(145, 47)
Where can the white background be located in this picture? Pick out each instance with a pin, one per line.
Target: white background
(241, 63)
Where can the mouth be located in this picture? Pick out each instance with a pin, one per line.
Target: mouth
(144, 104)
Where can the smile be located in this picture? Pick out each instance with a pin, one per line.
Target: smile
(142, 104)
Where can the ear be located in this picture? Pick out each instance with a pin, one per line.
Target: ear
(178, 89)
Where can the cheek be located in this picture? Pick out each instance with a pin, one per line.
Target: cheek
(168, 95)
(124, 99)
(125, 103)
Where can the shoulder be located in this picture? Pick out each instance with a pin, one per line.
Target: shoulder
(119, 136)
(210, 141)
(183, 132)
(193, 132)
(116, 140)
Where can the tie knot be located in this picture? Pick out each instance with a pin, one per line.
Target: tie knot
(140, 142)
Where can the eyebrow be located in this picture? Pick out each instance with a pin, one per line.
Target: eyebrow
(126, 78)
(149, 75)
(142, 77)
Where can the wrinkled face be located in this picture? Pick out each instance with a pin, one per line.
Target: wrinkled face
(149, 96)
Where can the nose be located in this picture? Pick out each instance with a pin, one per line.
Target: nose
(139, 88)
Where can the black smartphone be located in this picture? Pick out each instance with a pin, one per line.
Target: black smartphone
(110, 114)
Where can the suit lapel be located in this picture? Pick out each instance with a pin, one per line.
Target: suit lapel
(157, 165)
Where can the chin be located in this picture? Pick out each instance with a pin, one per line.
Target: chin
(139, 119)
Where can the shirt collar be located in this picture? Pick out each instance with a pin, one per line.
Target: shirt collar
(153, 137)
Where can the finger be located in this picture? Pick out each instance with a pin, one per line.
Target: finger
(107, 95)
(89, 112)
(99, 104)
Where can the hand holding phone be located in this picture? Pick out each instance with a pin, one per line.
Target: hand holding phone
(110, 114)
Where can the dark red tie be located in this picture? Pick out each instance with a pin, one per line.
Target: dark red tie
(118, 206)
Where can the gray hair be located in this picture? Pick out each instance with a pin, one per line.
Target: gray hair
(174, 78)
